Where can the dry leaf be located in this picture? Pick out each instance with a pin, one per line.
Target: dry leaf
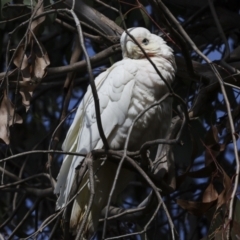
(39, 8)
(213, 148)
(195, 208)
(6, 118)
(21, 61)
(209, 199)
(41, 61)
(211, 137)
(210, 194)
(225, 195)
(26, 97)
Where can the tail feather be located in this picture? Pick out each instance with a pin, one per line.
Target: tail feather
(65, 179)
(103, 181)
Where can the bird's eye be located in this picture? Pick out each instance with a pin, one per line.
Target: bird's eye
(145, 41)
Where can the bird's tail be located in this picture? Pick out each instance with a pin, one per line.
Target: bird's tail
(103, 180)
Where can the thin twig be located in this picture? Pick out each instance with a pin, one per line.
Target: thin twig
(25, 180)
(72, 29)
(108, 6)
(228, 107)
(56, 225)
(25, 218)
(14, 212)
(160, 201)
(123, 158)
(68, 86)
(149, 144)
(45, 223)
(221, 33)
(146, 56)
(92, 83)
(116, 213)
(89, 163)
(78, 66)
(41, 151)
(9, 174)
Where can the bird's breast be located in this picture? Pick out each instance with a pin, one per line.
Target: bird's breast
(154, 123)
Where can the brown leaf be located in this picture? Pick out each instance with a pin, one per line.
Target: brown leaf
(219, 222)
(210, 194)
(41, 61)
(27, 86)
(6, 118)
(196, 208)
(213, 148)
(39, 8)
(211, 137)
(225, 195)
(21, 57)
(21, 61)
(220, 234)
(201, 173)
(209, 199)
(26, 97)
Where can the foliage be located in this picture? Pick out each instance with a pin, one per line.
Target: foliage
(44, 75)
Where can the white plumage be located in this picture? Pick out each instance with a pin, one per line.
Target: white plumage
(124, 90)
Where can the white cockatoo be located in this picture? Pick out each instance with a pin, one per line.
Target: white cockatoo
(124, 90)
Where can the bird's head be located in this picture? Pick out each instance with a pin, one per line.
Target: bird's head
(153, 45)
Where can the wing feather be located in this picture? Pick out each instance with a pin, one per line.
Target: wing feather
(114, 91)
